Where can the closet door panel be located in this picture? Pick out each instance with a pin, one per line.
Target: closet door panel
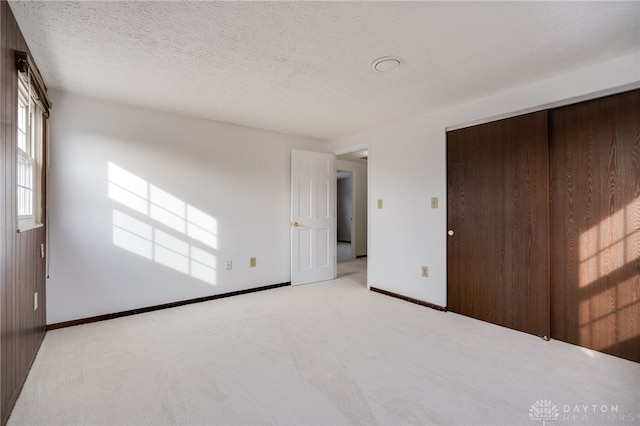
(595, 224)
(498, 192)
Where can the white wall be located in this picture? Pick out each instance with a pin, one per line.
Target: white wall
(407, 164)
(359, 213)
(201, 193)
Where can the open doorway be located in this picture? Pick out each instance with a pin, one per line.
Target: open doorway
(344, 215)
(352, 215)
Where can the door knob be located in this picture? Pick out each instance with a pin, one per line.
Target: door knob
(295, 224)
(450, 232)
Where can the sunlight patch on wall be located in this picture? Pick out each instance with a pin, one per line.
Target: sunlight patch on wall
(132, 234)
(607, 253)
(602, 248)
(157, 209)
(128, 189)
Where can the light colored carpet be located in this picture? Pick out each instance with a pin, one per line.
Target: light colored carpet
(329, 353)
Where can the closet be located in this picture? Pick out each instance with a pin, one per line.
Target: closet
(544, 223)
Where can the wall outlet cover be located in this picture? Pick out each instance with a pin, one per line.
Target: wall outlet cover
(425, 271)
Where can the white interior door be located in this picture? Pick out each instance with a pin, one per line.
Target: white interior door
(313, 217)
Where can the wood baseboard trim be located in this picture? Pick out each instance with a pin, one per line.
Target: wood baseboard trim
(410, 299)
(114, 315)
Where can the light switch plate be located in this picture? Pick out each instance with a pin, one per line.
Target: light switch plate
(434, 202)
(380, 203)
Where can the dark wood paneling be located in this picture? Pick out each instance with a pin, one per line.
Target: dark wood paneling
(22, 270)
(595, 227)
(498, 192)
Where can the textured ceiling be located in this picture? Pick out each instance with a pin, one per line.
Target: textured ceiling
(304, 67)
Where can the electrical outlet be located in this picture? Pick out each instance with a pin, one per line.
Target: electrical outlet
(35, 301)
(434, 202)
(425, 271)
(380, 203)
(228, 265)
(252, 262)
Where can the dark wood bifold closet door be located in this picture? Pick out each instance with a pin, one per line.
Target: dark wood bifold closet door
(595, 224)
(498, 210)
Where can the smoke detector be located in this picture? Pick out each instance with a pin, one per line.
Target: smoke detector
(387, 63)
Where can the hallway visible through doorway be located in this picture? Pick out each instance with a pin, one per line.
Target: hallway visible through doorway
(344, 251)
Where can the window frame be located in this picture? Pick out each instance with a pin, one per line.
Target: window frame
(29, 152)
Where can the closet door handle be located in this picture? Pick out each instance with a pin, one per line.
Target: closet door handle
(450, 232)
